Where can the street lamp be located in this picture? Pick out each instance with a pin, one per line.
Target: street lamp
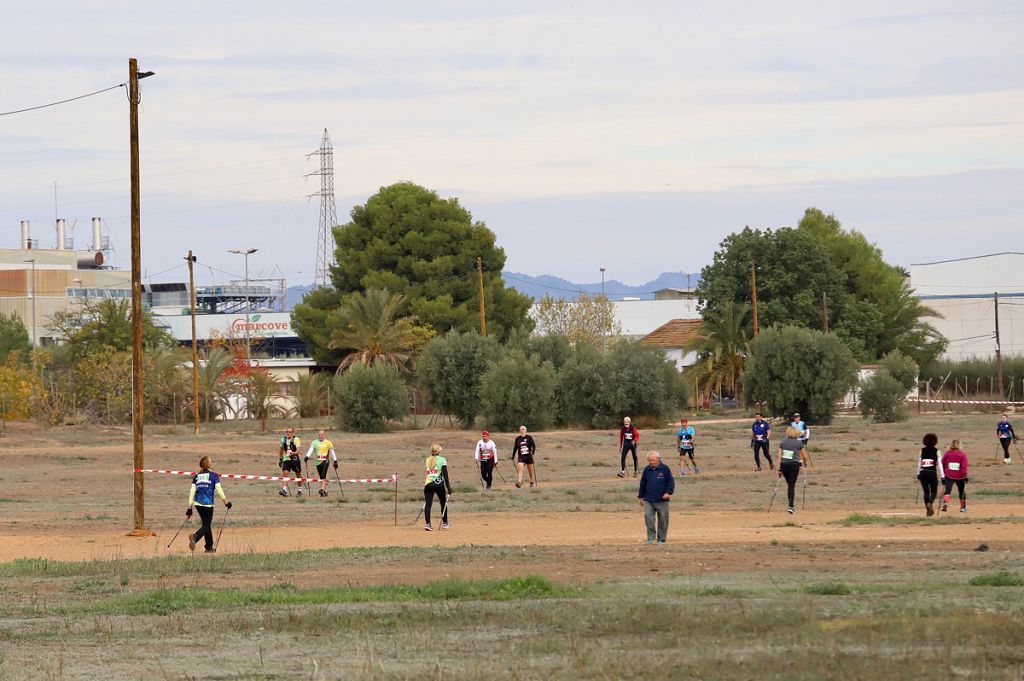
(602, 282)
(247, 252)
(32, 295)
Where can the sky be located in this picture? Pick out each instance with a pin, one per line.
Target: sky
(632, 136)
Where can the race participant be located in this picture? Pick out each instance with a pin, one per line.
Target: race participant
(205, 486)
(805, 430)
(684, 442)
(1006, 435)
(954, 466)
(523, 450)
(629, 436)
(760, 439)
(288, 460)
(792, 456)
(486, 457)
(322, 448)
(929, 470)
(437, 482)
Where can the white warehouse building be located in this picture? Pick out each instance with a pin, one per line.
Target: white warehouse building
(966, 292)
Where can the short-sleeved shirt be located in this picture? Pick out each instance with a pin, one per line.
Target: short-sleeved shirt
(791, 449)
(761, 430)
(206, 487)
(290, 447)
(686, 435)
(321, 448)
(1005, 430)
(434, 471)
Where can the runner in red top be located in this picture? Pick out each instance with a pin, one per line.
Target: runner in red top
(628, 437)
(954, 465)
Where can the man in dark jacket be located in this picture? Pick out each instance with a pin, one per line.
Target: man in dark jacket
(656, 488)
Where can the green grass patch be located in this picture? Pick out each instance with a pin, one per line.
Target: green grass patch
(1001, 578)
(989, 493)
(829, 589)
(872, 519)
(166, 601)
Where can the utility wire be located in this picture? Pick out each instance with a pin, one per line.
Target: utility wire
(63, 101)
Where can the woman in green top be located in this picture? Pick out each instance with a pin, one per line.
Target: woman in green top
(436, 483)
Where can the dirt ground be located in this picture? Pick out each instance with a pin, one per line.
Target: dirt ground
(66, 493)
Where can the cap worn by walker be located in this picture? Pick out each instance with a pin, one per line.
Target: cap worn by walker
(485, 433)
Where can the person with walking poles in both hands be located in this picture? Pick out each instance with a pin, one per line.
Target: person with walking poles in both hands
(205, 486)
(954, 468)
(629, 436)
(684, 440)
(656, 488)
(523, 450)
(438, 484)
(929, 471)
(1006, 435)
(486, 457)
(322, 448)
(288, 460)
(760, 441)
(801, 425)
(792, 455)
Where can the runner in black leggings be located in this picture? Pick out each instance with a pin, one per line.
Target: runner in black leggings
(437, 483)
(929, 470)
(792, 456)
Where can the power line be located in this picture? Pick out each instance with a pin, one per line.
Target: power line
(63, 101)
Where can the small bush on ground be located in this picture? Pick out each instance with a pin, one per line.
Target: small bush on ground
(882, 398)
(518, 390)
(368, 397)
(450, 370)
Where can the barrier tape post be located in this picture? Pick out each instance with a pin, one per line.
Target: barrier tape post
(396, 498)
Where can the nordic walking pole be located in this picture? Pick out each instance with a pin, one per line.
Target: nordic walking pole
(223, 522)
(499, 473)
(419, 514)
(178, 532)
(340, 486)
(306, 475)
(803, 495)
(774, 492)
(480, 475)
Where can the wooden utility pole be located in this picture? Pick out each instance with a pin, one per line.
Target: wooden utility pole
(138, 405)
(480, 281)
(195, 352)
(999, 350)
(824, 310)
(753, 288)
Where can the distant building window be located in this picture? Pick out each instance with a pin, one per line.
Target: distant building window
(287, 389)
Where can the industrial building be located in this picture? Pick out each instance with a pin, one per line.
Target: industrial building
(969, 295)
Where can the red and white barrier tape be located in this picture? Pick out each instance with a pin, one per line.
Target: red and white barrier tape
(993, 402)
(275, 478)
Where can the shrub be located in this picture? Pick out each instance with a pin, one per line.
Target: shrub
(882, 398)
(450, 369)
(368, 397)
(582, 393)
(1001, 578)
(794, 369)
(518, 390)
(902, 368)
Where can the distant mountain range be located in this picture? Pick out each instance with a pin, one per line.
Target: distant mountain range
(537, 286)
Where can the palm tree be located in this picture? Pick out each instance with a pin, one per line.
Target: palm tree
(210, 383)
(371, 329)
(259, 391)
(310, 394)
(722, 347)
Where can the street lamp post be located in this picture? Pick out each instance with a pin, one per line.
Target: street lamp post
(32, 296)
(602, 282)
(247, 252)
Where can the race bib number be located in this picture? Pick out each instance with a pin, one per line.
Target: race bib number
(524, 449)
(629, 436)
(787, 454)
(954, 466)
(927, 463)
(759, 437)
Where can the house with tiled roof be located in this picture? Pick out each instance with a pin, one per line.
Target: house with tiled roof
(672, 336)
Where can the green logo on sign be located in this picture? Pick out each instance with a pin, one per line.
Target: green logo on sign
(255, 317)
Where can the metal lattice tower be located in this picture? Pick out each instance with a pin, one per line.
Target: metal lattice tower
(328, 212)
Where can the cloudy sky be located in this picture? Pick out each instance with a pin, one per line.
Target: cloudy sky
(632, 136)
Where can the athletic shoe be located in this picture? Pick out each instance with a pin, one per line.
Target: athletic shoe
(790, 509)
(634, 472)
(682, 471)
(696, 470)
(213, 550)
(532, 485)
(323, 493)
(488, 488)
(446, 526)
(650, 541)
(299, 493)
(1007, 460)
(758, 469)
(661, 541)
(929, 509)
(622, 473)
(191, 543)
(283, 492)
(944, 506)
(963, 509)
(771, 466)
(427, 527)
(518, 484)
